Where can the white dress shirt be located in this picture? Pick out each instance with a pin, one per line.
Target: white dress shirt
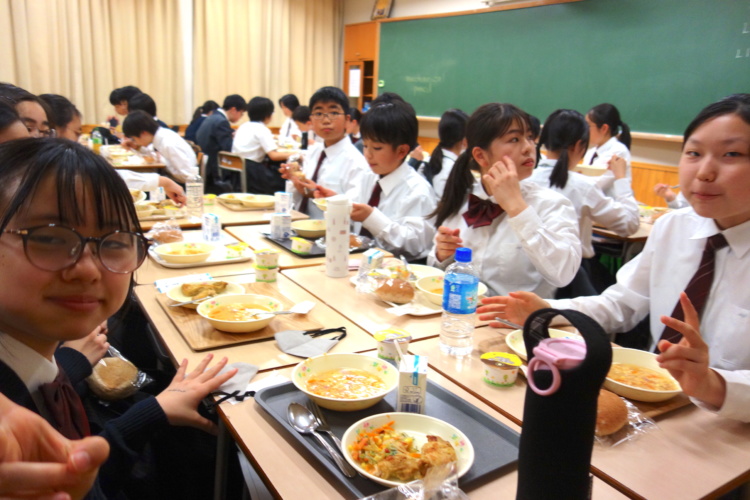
(651, 283)
(342, 171)
(538, 250)
(619, 214)
(438, 181)
(289, 129)
(31, 367)
(138, 180)
(399, 222)
(253, 140)
(179, 157)
(603, 154)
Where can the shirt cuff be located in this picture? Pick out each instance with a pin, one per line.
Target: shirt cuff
(376, 222)
(737, 399)
(525, 224)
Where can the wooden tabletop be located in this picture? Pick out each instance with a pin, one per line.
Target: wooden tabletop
(364, 309)
(291, 472)
(145, 167)
(252, 235)
(227, 217)
(266, 355)
(642, 234)
(692, 453)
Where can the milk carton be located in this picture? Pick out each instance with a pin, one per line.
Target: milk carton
(412, 384)
(211, 227)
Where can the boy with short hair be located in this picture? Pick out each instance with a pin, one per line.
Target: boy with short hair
(143, 131)
(394, 201)
(301, 117)
(145, 102)
(254, 141)
(333, 163)
(215, 134)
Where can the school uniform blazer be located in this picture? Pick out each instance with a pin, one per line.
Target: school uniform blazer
(192, 129)
(651, 284)
(214, 135)
(538, 250)
(126, 435)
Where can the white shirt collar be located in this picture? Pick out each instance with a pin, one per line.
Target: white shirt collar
(30, 366)
(389, 182)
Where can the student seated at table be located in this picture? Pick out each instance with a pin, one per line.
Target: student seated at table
(215, 134)
(394, 200)
(452, 134)
(144, 102)
(565, 137)
(11, 126)
(143, 131)
(57, 193)
(355, 118)
(302, 119)
(705, 251)
(64, 116)
(674, 200)
(254, 142)
(118, 98)
(288, 130)
(608, 136)
(333, 163)
(523, 236)
(200, 114)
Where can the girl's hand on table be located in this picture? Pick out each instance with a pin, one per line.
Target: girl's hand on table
(94, 345)
(447, 240)
(502, 181)
(515, 307)
(38, 462)
(180, 400)
(687, 360)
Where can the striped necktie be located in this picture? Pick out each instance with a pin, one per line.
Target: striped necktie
(698, 288)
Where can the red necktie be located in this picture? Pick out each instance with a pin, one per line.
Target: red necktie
(65, 407)
(481, 212)
(306, 200)
(698, 287)
(373, 202)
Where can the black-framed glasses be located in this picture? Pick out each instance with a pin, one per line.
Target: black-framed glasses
(54, 248)
(332, 115)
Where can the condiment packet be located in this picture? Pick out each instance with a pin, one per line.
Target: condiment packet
(303, 307)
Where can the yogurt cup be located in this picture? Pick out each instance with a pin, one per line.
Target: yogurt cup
(387, 340)
(266, 275)
(267, 258)
(500, 368)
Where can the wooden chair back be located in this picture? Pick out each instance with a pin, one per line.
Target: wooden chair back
(234, 163)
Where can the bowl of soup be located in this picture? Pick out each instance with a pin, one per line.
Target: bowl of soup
(432, 288)
(345, 382)
(258, 201)
(310, 228)
(241, 313)
(182, 252)
(636, 374)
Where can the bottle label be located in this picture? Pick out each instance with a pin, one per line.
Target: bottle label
(460, 293)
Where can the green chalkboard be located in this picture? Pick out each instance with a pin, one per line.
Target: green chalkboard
(658, 61)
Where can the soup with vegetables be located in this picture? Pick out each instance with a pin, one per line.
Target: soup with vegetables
(345, 383)
(237, 312)
(640, 377)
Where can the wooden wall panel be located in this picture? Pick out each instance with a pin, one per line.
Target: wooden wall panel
(646, 176)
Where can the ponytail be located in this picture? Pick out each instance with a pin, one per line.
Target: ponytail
(624, 135)
(458, 186)
(435, 165)
(563, 129)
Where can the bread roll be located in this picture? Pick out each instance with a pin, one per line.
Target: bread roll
(113, 378)
(611, 413)
(167, 236)
(395, 290)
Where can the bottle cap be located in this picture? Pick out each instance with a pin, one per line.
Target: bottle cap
(463, 254)
(555, 355)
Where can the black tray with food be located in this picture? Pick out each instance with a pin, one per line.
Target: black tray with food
(318, 250)
(495, 444)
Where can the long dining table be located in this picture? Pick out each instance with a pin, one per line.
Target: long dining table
(690, 454)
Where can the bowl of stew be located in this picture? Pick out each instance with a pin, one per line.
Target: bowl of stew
(240, 313)
(181, 252)
(636, 374)
(345, 382)
(432, 288)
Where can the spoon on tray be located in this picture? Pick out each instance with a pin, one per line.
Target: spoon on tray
(305, 422)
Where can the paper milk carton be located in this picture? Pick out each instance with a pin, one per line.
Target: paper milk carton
(412, 384)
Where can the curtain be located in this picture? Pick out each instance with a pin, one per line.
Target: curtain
(84, 49)
(266, 48)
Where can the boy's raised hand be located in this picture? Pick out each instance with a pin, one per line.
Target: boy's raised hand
(36, 461)
(515, 307)
(688, 359)
(180, 400)
(502, 180)
(447, 240)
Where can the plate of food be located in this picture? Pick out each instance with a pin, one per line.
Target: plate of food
(232, 198)
(515, 340)
(396, 448)
(187, 292)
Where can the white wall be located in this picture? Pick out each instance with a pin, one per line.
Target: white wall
(359, 11)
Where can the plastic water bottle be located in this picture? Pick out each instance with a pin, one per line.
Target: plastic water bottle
(459, 305)
(194, 194)
(96, 141)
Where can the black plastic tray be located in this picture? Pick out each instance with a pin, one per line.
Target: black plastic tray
(495, 444)
(316, 250)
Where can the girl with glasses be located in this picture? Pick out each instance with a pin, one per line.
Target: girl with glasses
(69, 243)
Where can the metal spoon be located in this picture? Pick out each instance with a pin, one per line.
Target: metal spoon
(262, 312)
(509, 323)
(305, 422)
